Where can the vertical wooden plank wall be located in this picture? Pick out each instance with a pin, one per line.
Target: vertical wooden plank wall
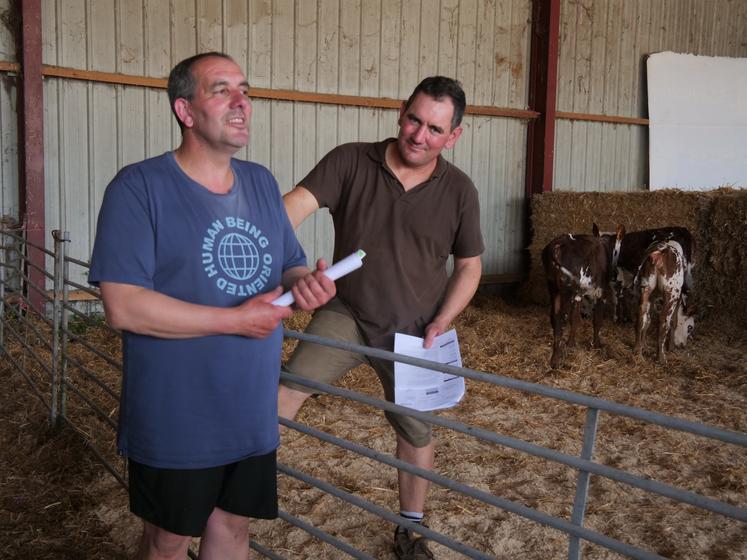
(380, 48)
(377, 48)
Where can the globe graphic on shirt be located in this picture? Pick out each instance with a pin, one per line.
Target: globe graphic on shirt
(238, 256)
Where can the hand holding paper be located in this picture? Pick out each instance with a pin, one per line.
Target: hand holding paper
(337, 270)
(425, 389)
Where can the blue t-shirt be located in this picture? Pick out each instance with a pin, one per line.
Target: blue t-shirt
(205, 401)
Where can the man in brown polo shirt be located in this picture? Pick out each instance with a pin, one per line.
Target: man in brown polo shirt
(409, 209)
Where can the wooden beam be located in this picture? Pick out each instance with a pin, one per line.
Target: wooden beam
(31, 142)
(543, 70)
(601, 118)
(274, 94)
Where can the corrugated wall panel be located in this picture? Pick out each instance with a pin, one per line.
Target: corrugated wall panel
(9, 203)
(355, 47)
(603, 45)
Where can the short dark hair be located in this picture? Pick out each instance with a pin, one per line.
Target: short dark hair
(439, 87)
(182, 83)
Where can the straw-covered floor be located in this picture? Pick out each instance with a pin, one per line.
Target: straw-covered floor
(56, 501)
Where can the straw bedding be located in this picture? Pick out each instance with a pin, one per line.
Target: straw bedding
(56, 501)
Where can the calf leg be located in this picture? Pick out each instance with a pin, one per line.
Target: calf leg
(597, 322)
(556, 320)
(668, 310)
(643, 321)
(575, 320)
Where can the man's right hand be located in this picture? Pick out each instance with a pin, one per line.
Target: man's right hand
(258, 317)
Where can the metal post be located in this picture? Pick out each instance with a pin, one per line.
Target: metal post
(57, 298)
(582, 483)
(3, 264)
(60, 311)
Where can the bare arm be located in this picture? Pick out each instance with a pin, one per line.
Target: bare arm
(462, 286)
(299, 204)
(143, 311)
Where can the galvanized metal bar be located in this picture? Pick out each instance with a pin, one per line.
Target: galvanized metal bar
(536, 450)
(29, 350)
(727, 436)
(80, 340)
(23, 240)
(58, 287)
(91, 376)
(83, 288)
(88, 443)
(485, 497)
(42, 272)
(324, 536)
(42, 340)
(92, 405)
(73, 260)
(22, 370)
(64, 317)
(582, 482)
(3, 264)
(383, 513)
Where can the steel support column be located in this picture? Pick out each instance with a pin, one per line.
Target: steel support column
(543, 71)
(31, 140)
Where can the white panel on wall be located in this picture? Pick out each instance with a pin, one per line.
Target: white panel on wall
(603, 45)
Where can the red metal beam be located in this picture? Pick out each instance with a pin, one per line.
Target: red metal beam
(31, 141)
(543, 72)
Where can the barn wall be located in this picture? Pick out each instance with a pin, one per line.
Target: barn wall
(8, 116)
(601, 70)
(352, 47)
(356, 47)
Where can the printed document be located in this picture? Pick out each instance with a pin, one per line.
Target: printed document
(425, 389)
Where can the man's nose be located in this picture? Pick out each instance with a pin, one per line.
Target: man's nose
(239, 99)
(419, 134)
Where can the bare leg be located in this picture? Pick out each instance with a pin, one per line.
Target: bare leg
(413, 489)
(290, 401)
(160, 544)
(226, 537)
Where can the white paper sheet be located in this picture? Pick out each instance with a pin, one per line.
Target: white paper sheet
(426, 389)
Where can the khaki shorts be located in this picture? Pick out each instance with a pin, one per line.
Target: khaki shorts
(327, 365)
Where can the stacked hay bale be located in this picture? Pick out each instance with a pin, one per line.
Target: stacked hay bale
(717, 220)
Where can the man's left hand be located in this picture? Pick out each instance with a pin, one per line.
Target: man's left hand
(431, 332)
(314, 289)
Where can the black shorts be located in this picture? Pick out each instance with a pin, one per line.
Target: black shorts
(181, 500)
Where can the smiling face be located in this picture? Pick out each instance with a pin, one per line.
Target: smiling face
(425, 130)
(218, 114)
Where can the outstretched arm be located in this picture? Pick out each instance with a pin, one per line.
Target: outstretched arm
(144, 311)
(462, 286)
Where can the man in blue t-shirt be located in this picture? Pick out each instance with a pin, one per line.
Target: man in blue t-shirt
(191, 249)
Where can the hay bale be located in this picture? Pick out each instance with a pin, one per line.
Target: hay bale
(715, 218)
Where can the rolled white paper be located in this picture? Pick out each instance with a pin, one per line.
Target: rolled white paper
(337, 270)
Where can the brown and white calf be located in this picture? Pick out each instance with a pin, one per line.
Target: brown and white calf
(577, 267)
(629, 254)
(663, 271)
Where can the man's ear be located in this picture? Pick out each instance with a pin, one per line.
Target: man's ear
(402, 109)
(453, 137)
(183, 110)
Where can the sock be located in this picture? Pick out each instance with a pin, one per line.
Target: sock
(415, 516)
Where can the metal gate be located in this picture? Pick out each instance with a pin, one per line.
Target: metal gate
(84, 395)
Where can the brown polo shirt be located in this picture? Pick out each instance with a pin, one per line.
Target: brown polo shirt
(407, 236)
